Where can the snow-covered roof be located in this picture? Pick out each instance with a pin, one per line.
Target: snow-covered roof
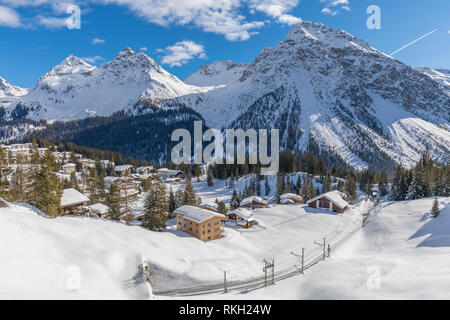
(123, 167)
(163, 170)
(69, 165)
(334, 196)
(251, 199)
(290, 196)
(99, 207)
(144, 168)
(243, 214)
(197, 214)
(72, 197)
(208, 206)
(110, 179)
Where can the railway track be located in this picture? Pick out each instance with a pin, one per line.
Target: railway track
(259, 282)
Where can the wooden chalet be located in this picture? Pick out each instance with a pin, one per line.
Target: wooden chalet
(331, 201)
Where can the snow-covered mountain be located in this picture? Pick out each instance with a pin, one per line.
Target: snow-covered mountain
(322, 88)
(74, 89)
(216, 73)
(326, 86)
(8, 90)
(440, 75)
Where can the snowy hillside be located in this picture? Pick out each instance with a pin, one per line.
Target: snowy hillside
(43, 254)
(327, 85)
(74, 89)
(402, 253)
(216, 73)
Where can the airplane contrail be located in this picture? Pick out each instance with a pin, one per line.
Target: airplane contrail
(426, 35)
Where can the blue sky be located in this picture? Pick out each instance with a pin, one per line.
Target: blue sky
(181, 35)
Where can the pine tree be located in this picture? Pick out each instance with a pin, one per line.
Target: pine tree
(179, 198)
(114, 201)
(74, 181)
(326, 187)
(171, 203)
(435, 209)
(210, 177)
(235, 200)
(266, 187)
(92, 182)
(5, 170)
(189, 194)
(222, 207)
(287, 185)
(258, 185)
(155, 207)
(47, 186)
(350, 187)
(279, 189)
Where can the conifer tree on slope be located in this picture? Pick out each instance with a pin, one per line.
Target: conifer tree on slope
(5, 170)
(190, 198)
(222, 207)
(235, 200)
(47, 186)
(435, 209)
(210, 177)
(171, 203)
(113, 201)
(155, 207)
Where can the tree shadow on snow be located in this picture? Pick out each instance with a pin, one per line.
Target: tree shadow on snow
(437, 229)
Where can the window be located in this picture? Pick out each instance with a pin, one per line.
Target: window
(209, 230)
(209, 224)
(203, 232)
(209, 238)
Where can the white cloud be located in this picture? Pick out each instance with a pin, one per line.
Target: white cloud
(9, 18)
(277, 9)
(332, 7)
(52, 22)
(182, 52)
(143, 49)
(98, 41)
(93, 60)
(328, 11)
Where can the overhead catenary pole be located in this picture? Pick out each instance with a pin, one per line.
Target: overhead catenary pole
(273, 271)
(225, 281)
(324, 247)
(302, 257)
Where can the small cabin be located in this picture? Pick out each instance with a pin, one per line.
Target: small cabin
(73, 201)
(68, 168)
(124, 170)
(290, 198)
(253, 203)
(242, 216)
(98, 210)
(331, 201)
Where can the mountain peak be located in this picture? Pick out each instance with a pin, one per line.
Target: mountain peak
(70, 65)
(126, 52)
(7, 89)
(306, 32)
